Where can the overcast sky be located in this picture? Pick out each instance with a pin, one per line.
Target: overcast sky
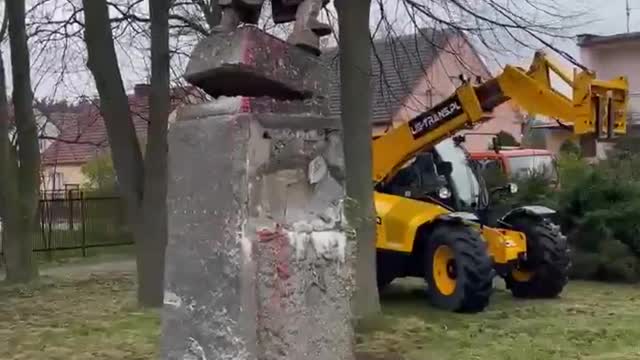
(609, 17)
(604, 17)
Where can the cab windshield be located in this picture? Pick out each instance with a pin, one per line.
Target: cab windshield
(525, 166)
(464, 178)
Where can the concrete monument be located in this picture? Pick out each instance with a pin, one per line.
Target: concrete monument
(259, 264)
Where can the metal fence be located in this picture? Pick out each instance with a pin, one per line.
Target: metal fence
(78, 221)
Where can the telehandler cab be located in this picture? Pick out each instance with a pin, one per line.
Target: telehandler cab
(428, 196)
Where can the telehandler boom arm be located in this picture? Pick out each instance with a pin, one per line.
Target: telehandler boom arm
(597, 108)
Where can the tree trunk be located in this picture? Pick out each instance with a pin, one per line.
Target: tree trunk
(142, 182)
(153, 239)
(11, 239)
(355, 47)
(5, 147)
(24, 181)
(123, 141)
(114, 105)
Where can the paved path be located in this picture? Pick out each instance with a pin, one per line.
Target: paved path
(75, 270)
(80, 271)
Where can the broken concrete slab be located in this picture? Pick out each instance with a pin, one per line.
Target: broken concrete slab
(250, 62)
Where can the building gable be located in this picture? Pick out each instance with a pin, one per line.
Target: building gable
(397, 64)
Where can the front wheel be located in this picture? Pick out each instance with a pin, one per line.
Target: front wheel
(458, 269)
(544, 273)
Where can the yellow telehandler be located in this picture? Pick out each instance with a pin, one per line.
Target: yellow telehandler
(429, 200)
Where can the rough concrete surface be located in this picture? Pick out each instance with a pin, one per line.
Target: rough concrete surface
(205, 301)
(303, 258)
(256, 232)
(258, 262)
(250, 62)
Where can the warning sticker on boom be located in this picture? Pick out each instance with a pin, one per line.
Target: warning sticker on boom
(435, 117)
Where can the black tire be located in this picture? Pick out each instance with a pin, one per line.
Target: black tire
(384, 277)
(547, 259)
(383, 282)
(388, 267)
(473, 268)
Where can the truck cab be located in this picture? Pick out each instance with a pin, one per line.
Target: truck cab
(516, 163)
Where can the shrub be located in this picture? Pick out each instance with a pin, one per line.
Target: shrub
(584, 265)
(613, 263)
(100, 175)
(569, 147)
(599, 210)
(504, 138)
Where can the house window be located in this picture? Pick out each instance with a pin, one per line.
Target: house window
(56, 181)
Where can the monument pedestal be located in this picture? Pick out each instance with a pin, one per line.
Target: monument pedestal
(258, 262)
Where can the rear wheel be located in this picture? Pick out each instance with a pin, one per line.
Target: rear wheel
(544, 273)
(458, 269)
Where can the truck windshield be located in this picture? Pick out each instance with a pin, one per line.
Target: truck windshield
(463, 177)
(533, 164)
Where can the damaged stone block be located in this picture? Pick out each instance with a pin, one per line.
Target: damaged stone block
(249, 62)
(259, 265)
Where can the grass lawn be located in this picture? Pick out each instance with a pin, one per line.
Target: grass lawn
(97, 319)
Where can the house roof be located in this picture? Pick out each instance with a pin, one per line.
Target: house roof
(589, 40)
(83, 134)
(397, 63)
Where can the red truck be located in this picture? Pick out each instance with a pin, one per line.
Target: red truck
(516, 162)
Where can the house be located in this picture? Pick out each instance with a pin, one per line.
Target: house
(412, 73)
(612, 56)
(83, 136)
(409, 75)
(48, 131)
(609, 56)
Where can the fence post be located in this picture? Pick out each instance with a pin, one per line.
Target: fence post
(48, 210)
(70, 196)
(41, 220)
(83, 222)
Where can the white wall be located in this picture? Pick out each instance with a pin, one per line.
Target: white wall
(613, 60)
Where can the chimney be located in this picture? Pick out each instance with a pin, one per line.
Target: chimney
(142, 90)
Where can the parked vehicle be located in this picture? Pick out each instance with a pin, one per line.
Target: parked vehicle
(428, 198)
(514, 163)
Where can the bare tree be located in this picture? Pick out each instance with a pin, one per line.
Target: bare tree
(21, 186)
(355, 47)
(151, 251)
(125, 148)
(7, 156)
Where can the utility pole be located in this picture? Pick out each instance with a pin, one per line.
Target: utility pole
(628, 16)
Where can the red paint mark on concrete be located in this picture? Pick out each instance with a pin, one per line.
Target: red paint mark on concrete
(281, 248)
(245, 105)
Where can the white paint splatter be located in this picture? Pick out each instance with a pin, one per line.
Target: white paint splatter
(298, 240)
(323, 234)
(171, 299)
(317, 169)
(195, 351)
(245, 243)
(330, 244)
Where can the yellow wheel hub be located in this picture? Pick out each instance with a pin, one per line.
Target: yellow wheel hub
(521, 276)
(444, 270)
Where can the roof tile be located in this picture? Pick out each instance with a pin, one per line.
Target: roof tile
(397, 63)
